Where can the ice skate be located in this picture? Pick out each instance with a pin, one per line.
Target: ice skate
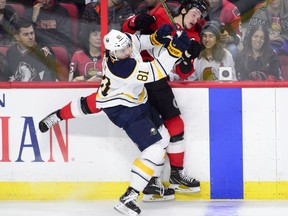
(182, 183)
(128, 203)
(49, 121)
(155, 191)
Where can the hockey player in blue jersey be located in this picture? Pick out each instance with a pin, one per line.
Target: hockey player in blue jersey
(123, 97)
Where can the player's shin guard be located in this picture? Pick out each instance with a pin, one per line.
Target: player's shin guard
(142, 171)
(80, 107)
(179, 180)
(74, 109)
(176, 148)
(155, 190)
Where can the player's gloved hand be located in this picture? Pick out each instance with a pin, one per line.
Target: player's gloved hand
(178, 45)
(162, 35)
(193, 51)
(187, 57)
(141, 22)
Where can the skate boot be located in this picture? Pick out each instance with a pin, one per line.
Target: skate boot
(49, 121)
(128, 203)
(155, 191)
(182, 183)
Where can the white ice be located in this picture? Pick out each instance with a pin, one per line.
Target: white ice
(170, 208)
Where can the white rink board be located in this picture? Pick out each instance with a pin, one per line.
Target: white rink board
(99, 151)
(259, 144)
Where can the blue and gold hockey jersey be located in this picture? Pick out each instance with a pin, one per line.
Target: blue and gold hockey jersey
(123, 80)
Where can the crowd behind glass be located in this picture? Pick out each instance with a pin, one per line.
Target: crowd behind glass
(251, 45)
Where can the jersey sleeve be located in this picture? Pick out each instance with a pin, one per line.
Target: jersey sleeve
(126, 27)
(158, 68)
(142, 42)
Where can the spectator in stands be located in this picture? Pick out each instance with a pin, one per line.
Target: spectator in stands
(257, 61)
(52, 23)
(118, 12)
(79, 3)
(188, 16)
(229, 16)
(4, 73)
(26, 59)
(213, 56)
(8, 18)
(133, 3)
(86, 62)
(274, 15)
(28, 3)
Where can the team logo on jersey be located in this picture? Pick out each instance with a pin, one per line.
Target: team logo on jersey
(236, 12)
(24, 73)
(209, 74)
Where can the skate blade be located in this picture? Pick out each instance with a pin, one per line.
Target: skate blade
(120, 207)
(157, 198)
(184, 190)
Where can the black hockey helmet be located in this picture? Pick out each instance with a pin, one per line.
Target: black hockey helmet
(202, 5)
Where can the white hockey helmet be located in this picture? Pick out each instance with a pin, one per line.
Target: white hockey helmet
(116, 40)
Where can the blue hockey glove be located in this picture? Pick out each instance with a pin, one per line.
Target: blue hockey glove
(162, 35)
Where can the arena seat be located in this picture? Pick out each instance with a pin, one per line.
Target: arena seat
(283, 61)
(62, 62)
(73, 13)
(3, 49)
(18, 7)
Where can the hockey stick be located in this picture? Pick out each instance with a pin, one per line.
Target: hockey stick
(164, 5)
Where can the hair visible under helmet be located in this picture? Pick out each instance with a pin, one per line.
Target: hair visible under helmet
(116, 40)
(202, 5)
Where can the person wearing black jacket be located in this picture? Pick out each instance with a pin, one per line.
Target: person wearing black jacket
(27, 60)
(8, 18)
(52, 23)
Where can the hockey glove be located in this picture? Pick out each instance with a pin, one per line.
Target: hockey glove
(186, 67)
(178, 45)
(162, 35)
(187, 57)
(141, 22)
(193, 51)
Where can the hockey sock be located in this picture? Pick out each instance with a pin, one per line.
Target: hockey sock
(80, 107)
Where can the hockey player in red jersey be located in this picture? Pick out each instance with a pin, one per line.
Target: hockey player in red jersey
(189, 17)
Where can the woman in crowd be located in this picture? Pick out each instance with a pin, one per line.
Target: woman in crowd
(86, 62)
(213, 56)
(274, 16)
(257, 61)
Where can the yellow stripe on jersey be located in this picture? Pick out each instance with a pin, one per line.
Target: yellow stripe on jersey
(139, 164)
(159, 74)
(141, 96)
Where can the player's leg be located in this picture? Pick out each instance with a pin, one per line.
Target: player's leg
(155, 190)
(76, 108)
(142, 129)
(179, 180)
(142, 170)
(162, 98)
